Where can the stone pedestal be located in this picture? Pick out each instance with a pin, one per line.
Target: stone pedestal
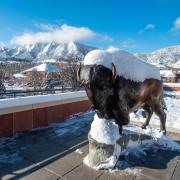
(99, 152)
(105, 146)
(104, 150)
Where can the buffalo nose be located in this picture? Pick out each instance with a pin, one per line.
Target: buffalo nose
(92, 106)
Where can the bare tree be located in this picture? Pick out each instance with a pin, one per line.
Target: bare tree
(36, 80)
(68, 76)
(2, 86)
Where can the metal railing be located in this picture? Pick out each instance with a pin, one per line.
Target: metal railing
(21, 93)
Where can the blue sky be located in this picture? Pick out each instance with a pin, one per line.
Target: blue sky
(133, 25)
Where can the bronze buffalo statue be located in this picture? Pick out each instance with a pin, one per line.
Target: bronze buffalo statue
(115, 96)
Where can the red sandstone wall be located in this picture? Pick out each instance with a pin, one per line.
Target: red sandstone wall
(15, 122)
(171, 88)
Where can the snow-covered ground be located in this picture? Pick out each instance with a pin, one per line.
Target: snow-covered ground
(106, 132)
(12, 148)
(173, 114)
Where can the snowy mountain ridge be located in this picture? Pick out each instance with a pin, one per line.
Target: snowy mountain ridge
(164, 57)
(169, 56)
(42, 51)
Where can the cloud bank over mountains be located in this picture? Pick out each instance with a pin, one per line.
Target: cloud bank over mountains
(64, 33)
(176, 27)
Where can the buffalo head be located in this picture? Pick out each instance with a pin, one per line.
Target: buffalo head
(98, 82)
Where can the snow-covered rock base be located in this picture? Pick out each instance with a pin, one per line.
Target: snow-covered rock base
(104, 150)
(106, 145)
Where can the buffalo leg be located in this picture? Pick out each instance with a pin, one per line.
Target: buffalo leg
(162, 116)
(120, 129)
(149, 113)
(121, 118)
(119, 125)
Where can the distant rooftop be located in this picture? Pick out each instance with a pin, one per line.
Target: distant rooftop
(167, 73)
(45, 67)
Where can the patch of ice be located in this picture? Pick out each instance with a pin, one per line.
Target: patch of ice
(127, 65)
(73, 124)
(10, 158)
(9, 153)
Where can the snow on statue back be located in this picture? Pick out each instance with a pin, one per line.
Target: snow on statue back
(127, 65)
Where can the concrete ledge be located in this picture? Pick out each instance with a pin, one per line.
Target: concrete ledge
(13, 105)
(24, 114)
(171, 86)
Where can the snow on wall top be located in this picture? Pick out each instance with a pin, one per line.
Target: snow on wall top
(30, 100)
(45, 68)
(127, 65)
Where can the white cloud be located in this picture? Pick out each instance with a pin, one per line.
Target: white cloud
(64, 33)
(2, 44)
(176, 26)
(47, 27)
(104, 37)
(147, 27)
(128, 43)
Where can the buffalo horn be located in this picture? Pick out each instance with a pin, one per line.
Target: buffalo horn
(113, 71)
(78, 73)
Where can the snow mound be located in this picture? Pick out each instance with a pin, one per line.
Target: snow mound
(104, 131)
(127, 65)
(135, 150)
(157, 138)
